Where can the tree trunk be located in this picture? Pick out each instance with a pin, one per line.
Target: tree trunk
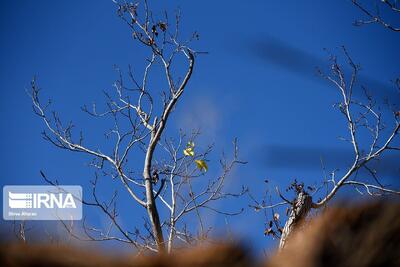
(150, 200)
(153, 215)
(300, 210)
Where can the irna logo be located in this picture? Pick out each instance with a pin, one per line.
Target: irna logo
(40, 200)
(42, 203)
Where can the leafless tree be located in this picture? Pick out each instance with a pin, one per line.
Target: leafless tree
(364, 120)
(172, 167)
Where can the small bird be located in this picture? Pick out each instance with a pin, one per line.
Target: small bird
(154, 176)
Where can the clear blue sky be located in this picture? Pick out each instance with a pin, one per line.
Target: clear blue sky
(257, 83)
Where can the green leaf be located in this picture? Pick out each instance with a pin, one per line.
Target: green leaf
(201, 165)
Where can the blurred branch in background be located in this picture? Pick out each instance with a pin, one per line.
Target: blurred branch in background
(295, 60)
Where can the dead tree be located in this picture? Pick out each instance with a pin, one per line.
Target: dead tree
(360, 117)
(172, 166)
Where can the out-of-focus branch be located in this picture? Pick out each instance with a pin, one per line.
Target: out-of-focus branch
(20, 230)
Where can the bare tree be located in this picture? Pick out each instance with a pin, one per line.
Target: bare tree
(171, 166)
(361, 118)
(364, 119)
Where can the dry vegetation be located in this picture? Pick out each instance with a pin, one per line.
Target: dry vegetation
(366, 235)
(357, 236)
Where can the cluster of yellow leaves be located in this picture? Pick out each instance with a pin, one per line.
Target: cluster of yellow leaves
(189, 151)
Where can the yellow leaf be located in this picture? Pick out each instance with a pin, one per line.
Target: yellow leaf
(201, 165)
(189, 152)
(190, 144)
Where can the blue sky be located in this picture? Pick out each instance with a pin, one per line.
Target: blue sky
(258, 83)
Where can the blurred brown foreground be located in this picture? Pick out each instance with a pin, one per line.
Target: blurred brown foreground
(363, 235)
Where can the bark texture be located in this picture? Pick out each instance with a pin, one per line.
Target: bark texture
(299, 211)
